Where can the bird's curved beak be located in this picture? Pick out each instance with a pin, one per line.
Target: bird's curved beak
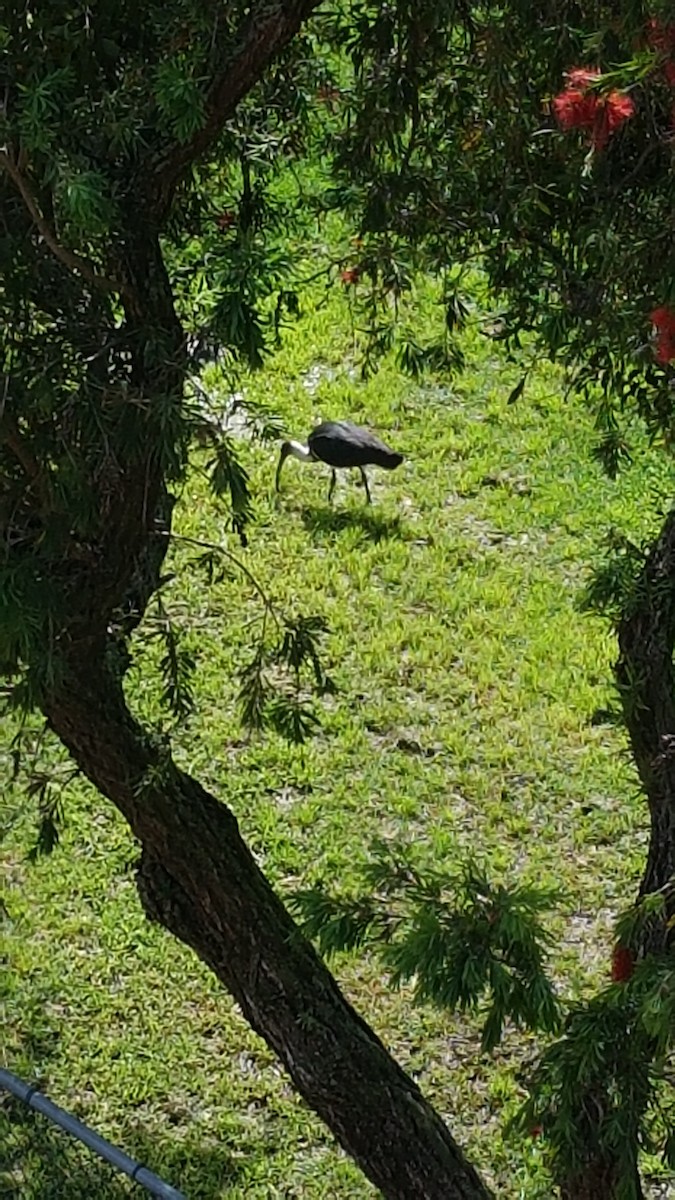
(285, 450)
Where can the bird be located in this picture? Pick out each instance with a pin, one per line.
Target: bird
(340, 444)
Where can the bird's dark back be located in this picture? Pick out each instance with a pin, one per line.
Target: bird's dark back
(341, 444)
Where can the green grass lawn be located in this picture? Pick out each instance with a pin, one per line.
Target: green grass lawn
(467, 681)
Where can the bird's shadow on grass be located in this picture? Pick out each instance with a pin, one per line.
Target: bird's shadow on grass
(323, 522)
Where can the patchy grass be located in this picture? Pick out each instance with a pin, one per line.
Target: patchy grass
(467, 682)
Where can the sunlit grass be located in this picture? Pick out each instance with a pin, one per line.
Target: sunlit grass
(467, 681)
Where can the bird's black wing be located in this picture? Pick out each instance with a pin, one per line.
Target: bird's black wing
(342, 444)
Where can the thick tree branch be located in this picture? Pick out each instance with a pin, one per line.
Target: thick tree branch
(74, 262)
(270, 26)
(200, 881)
(647, 682)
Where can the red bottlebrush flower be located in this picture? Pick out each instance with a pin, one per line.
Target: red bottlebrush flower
(579, 108)
(536, 1131)
(623, 964)
(664, 349)
(225, 220)
(620, 108)
(613, 110)
(669, 72)
(663, 320)
(574, 109)
(350, 275)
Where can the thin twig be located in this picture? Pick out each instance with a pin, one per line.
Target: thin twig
(182, 537)
(74, 262)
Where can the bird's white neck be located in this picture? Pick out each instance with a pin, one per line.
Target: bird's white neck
(299, 451)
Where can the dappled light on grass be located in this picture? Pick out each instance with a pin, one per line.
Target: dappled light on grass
(461, 720)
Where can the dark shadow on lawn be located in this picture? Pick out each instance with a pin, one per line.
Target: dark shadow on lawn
(39, 1161)
(321, 522)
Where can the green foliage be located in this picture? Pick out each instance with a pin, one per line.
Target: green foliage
(177, 667)
(462, 721)
(632, 923)
(597, 1092)
(50, 816)
(229, 477)
(254, 689)
(179, 98)
(433, 139)
(272, 683)
(461, 939)
(590, 1089)
(452, 150)
(612, 588)
(86, 207)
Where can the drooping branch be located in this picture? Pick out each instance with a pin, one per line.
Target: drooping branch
(74, 262)
(269, 27)
(647, 683)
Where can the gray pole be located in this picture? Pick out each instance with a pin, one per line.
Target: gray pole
(30, 1095)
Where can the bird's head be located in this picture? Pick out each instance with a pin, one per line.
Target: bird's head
(303, 453)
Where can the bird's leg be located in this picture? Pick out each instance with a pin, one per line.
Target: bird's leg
(333, 478)
(365, 484)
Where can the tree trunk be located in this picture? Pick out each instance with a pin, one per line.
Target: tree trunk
(598, 1180)
(200, 881)
(646, 680)
(196, 876)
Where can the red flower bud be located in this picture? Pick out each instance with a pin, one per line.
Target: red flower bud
(350, 275)
(663, 320)
(582, 77)
(623, 964)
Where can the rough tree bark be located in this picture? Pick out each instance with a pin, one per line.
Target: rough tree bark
(599, 1180)
(200, 881)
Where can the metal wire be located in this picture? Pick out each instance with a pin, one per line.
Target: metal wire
(35, 1146)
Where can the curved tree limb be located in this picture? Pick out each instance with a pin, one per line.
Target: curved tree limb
(199, 880)
(269, 27)
(74, 262)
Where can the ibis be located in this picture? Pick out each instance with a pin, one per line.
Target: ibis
(340, 445)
